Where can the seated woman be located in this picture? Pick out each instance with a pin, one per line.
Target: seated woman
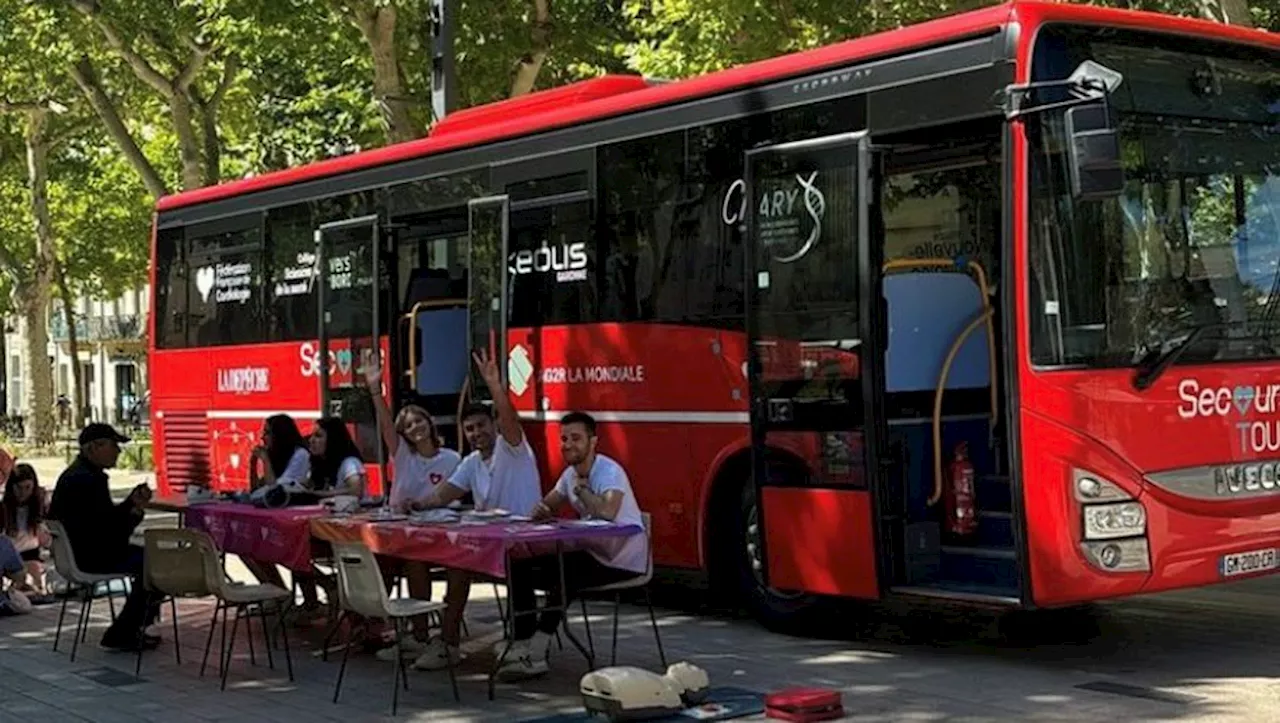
(282, 458)
(24, 508)
(421, 462)
(336, 465)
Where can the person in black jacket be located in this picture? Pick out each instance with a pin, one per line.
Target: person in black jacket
(98, 529)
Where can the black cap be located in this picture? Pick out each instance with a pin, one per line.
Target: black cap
(99, 430)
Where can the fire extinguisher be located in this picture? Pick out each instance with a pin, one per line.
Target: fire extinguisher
(961, 505)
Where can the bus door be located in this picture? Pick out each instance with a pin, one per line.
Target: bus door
(348, 254)
(811, 366)
(487, 296)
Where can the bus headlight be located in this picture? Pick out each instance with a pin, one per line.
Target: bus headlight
(1111, 521)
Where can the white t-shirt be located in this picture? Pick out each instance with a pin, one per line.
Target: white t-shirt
(24, 538)
(629, 553)
(416, 476)
(350, 467)
(508, 480)
(297, 471)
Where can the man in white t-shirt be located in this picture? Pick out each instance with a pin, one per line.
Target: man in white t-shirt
(501, 473)
(597, 488)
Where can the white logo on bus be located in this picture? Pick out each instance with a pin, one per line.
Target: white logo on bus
(1255, 436)
(568, 261)
(519, 369)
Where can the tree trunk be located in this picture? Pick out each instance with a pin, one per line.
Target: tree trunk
(34, 294)
(73, 345)
(528, 67)
(184, 127)
(378, 26)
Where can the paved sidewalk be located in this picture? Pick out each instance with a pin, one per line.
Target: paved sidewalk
(951, 680)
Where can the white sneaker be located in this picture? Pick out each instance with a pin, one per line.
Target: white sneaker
(525, 666)
(519, 648)
(409, 648)
(437, 656)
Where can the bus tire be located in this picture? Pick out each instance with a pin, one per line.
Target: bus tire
(778, 611)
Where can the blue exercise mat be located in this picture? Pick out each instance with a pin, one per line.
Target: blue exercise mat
(722, 704)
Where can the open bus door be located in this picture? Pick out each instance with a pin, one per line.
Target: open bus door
(348, 254)
(487, 281)
(811, 298)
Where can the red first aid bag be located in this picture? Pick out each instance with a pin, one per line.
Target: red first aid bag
(804, 705)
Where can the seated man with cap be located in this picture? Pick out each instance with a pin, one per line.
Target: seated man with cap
(98, 529)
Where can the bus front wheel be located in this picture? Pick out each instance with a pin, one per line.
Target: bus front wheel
(780, 610)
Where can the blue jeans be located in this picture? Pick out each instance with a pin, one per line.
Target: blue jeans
(10, 560)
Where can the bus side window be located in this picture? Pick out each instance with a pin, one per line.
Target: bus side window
(171, 289)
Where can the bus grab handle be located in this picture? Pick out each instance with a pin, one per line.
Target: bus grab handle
(985, 316)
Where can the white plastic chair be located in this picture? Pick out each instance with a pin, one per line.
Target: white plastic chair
(246, 600)
(617, 588)
(64, 561)
(361, 591)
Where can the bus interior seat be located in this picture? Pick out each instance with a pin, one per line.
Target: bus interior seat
(427, 285)
(442, 354)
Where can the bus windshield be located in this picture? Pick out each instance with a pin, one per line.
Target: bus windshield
(1194, 239)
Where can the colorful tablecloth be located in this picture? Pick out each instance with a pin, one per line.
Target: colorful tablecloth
(280, 536)
(480, 548)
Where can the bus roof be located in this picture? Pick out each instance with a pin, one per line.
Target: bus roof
(617, 95)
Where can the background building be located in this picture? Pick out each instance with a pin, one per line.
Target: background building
(111, 336)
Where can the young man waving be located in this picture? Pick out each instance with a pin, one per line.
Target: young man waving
(596, 487)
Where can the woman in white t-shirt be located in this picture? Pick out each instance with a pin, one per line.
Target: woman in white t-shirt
(282, 458)
(420, 461)
(336, 465)
(419, 458)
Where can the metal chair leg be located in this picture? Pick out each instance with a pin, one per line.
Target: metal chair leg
(342, 669)
(82, 622)
(502, 614)
(61, 616)
(111, 601)
(399, 669)
(177, 647)
(653, 620)
(208, 643)
(266, 635)
(231, 645)
(284, 640)
(84, 629)
(328, 637)
(248, 633)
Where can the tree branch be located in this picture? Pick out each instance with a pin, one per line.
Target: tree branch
(199, 54)
(230, 66)
(82, 72)
(141, 68)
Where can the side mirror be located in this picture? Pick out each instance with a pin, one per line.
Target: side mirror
(1093, 153)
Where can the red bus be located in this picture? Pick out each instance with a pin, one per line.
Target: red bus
(791, 290)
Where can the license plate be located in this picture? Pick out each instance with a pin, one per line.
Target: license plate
(1247, 563)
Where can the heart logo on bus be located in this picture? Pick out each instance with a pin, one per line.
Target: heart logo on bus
(344, 361)
(1243, 396)
(204, 282)
(235, 461)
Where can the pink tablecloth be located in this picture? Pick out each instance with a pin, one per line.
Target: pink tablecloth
(477, 548)
(280, 536)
